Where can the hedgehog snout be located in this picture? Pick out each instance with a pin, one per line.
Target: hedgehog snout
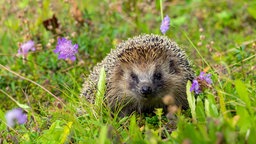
(146, 89)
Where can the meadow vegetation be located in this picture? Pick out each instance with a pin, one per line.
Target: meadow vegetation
(219, 38)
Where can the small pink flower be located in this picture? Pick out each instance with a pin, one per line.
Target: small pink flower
(26, 47)
(165, 24)
(15, 115)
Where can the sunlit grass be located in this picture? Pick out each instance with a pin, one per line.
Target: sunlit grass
(218, 37)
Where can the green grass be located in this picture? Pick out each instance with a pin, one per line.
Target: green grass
(48, 89)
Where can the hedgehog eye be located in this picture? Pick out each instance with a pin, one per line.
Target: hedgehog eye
(157, 76)
(134, 77)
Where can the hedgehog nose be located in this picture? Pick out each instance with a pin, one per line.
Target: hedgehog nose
(146, 90)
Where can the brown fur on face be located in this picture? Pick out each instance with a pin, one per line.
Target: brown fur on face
(139, 72)
(145, 63)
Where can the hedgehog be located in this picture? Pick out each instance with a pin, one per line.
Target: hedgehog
(140, 72)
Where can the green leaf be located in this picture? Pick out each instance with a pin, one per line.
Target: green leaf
(134, 130)
(103, 135)
(56, 134)
(244, 121)
(207, 108)
(23, 106)
(179, 20)
(191, 101)
(252, 10)
(214, 110)
(210, 109)
(2, 120)
(251, 135)
(52, 134)
(159, 113)
(200, 110)
(66, 132)
(101, 89)
(26, 138)
(225, 15)
(222, 105)
(23, 4)
(242, 92)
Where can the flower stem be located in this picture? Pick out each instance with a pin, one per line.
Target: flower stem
(197, 50)
(161, 9)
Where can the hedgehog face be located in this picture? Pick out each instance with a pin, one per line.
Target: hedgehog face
(144, 81)
(148, 74)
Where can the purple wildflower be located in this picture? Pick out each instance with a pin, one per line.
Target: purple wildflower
(165, 24)
(195, 87)
(26, 47)
(15, 115)
(205, 77)
(65, 49)
(202, 81)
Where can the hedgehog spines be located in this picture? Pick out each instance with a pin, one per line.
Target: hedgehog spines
(143, 55)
